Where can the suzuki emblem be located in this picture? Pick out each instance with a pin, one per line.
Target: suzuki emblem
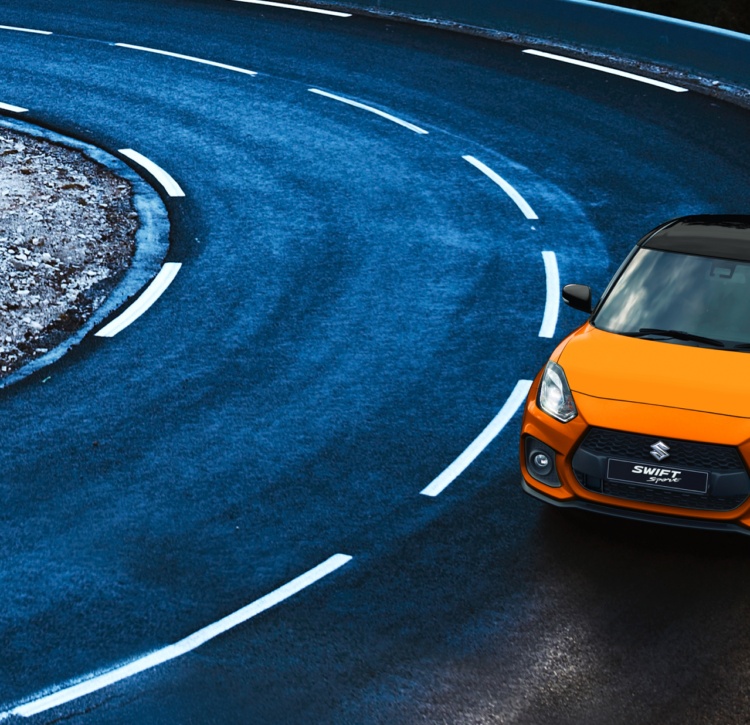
(660, 451)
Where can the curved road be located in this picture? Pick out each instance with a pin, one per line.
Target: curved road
(358, 301)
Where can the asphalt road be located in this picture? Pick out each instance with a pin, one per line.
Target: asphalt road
(356, 303)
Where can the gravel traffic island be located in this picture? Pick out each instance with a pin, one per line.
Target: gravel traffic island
(67, 237)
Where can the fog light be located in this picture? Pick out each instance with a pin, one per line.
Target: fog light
(540, 462)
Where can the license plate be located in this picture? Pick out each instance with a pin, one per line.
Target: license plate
(644, 474)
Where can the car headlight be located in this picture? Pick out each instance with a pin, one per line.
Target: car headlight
(555, 397)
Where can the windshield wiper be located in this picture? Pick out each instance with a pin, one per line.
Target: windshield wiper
(677, 335)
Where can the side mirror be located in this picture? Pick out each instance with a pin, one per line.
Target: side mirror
(578, 296)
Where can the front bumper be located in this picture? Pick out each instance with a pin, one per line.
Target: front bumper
(634, 515)
(585, 492)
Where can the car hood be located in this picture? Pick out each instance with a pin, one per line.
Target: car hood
(606, 365)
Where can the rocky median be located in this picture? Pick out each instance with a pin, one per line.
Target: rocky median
(67, 235)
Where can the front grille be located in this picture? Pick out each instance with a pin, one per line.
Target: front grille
(682, 454)
(661, 496)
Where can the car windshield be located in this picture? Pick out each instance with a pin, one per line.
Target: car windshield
(683, 298)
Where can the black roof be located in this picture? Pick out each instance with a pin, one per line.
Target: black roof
(710, 235)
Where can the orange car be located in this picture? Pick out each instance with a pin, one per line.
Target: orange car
(644, 411)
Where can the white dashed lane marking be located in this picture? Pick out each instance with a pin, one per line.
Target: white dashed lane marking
(152, 293)
(519, 201)
(85, 686)
(376, 111)
(12, 109)
(234, 68)
(170, 185)
(552, 305)
(486, 437)
(605, 69)
(303, 8)
(25, 30)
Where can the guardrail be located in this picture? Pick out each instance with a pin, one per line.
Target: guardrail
(700, 50)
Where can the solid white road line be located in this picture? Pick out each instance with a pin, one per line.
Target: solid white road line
(188, 57)
(486, 437)
(25, 30)
(297, 7)
(520, 202)
(170, 185)
(605, 69)
(152, 293)
(85, 686)
(376, 111)
(12, 109)
(552, 305)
